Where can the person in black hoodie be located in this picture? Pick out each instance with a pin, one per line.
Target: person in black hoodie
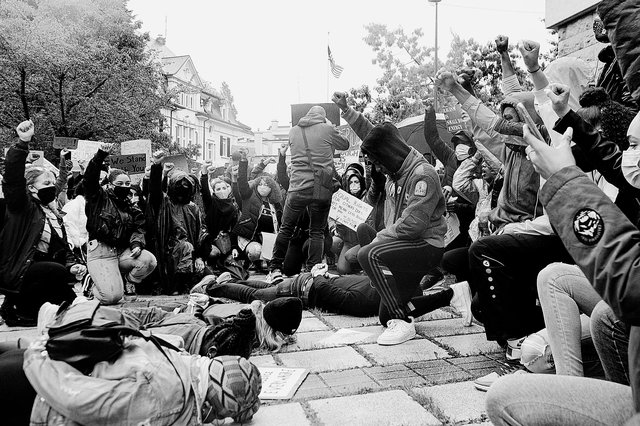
(116, 234)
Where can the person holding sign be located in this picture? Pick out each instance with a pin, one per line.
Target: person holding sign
(36, 263)
(116, 233)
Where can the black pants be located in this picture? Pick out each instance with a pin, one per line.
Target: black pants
(43, 282)
(456, 262)
(395, 268)
(298, 253)
(16, 393)
(503, 270)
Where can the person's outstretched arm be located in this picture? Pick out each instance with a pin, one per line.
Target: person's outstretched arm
(14, 184)
(357, 121)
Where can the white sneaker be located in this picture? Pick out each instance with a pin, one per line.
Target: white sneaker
(274, 277)
(398, 331)
(461, 301)
(514, 348)
(484, 383)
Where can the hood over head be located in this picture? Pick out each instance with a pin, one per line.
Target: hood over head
(385, 145)
(346, 178)
(357, 167)
(316, 115)
(173, 187)
(527, 99)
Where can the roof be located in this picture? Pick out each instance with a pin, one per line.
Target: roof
(172, 65)
(215, 116)
(161, 49)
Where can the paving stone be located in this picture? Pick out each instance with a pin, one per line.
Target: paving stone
(313, 387)
(447, 327)
(263, 361)
(310, 340)
(413, 350)
(311, 324)
(439, 371)
(395, 375)
(343, 321)
(349, 381)
(468, 359)
(373, 330)
(373, 409)
(325, 359)
(470, 344)
(281, 414)
(307, 314)
(438, 314)
(459, 402)
(449, 377)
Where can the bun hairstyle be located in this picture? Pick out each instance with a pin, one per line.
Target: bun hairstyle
(611, 117)
(594, 96)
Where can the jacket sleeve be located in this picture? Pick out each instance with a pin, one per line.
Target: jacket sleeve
(205, 191)
(484, 121)
(463, 179)
(86, 399)
(91, 177)
(415, 216)
(357, 122)
(14, 184)
(155, 187)
(283, 178)
(243, 183)
(604, 154)
(338, 141)
(257, 169)
(441, 150)
(622, 21)
(609, 254)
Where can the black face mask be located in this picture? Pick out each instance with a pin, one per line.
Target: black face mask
(122, 192)
(47, 195)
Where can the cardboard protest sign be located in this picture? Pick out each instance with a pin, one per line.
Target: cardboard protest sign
(85, 151)
(456, 119)
(131, 163)
(348, 210)
(280, 382)
(268, 242)
(65, 143)
(300, 110)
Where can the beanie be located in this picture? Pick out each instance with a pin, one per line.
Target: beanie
(234, 336)
(283, 314)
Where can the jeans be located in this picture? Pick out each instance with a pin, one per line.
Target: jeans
(106, 265)
(611, 339)
(544, 399)
(295, 205)
(564, 294)
(395, 268)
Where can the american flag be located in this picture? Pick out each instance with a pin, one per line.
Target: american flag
(336, 70)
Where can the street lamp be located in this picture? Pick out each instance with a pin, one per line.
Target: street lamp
(435, 92)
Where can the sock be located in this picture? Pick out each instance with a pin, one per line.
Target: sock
(421, 305)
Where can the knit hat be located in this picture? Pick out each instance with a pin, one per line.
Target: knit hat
(283, 314)
(385, 145)
(357, 167)
(236, 384)
(234, 336)
(613, 118)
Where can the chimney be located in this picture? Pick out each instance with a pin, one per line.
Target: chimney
(274, 125)
(161, 40)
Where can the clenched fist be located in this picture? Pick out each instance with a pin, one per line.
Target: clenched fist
(502, 43)
(340, 99)
(25, 130)
(530, 51)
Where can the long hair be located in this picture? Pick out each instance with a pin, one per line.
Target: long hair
(268, 338)
(32, 173)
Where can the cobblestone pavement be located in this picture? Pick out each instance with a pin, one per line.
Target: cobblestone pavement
(426, 381)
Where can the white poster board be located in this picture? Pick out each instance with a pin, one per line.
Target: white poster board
(138, 146)
(453, 228)
(281, 383)
(348, 210)
(85, 151)
(268, 241)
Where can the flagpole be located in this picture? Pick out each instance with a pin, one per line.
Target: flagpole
(328, 66)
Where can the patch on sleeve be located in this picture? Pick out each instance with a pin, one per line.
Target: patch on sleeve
(588, 226)
(420, 189)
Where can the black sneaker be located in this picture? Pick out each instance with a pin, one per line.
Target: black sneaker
(13, 319)
(87, 286)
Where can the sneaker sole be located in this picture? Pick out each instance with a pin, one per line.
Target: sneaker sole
(481, 388)
(396, 343)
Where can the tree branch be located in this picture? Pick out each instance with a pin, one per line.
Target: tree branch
(23, 94)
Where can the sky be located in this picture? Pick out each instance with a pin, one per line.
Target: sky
(274, 53)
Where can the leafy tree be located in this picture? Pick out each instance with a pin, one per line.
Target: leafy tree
(79, 69)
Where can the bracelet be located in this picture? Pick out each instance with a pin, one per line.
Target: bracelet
(534, 71)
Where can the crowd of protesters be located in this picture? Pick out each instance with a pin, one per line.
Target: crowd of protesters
(547, 195)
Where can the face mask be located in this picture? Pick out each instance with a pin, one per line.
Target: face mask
(633, 133)
(47, 195)
(630, 169)
(264, 190)
(354, 188)
(462, 152)
(223, 194)
(121, 192)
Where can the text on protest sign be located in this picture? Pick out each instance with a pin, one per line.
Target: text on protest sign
(65, 143)
(455, 118)
(280, 382)
(131, 163)
(348, 210)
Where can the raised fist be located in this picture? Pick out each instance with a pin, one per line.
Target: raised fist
(559, 96)
(530, 51)
(25, 130)
(446, 80)
(502, 44)
(108, 148)
(167, 167)
(157, 157)
(283, 149)
(340, 99)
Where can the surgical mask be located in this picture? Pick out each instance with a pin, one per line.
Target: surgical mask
(354, 188)
(47, 195)
(462, 152)
(264, 190)
(223, 194)
(630, 168)
(633, 133)
(122, 192)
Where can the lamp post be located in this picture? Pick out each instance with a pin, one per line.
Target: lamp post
(435, 90)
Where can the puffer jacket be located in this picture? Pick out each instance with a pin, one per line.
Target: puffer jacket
(622, 21)
(110, 220)
(252, 203)
(24, 223)
(323, 140)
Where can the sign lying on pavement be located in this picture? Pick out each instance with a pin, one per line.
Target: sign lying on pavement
(348, 210)
(280, 382)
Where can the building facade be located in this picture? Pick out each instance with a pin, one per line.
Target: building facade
(199, 114)
(573, 20)
(268, 142)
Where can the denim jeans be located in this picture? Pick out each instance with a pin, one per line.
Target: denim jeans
(611, 339)
(564, 294)
(295, 205)
(106, 265)
(544, 399)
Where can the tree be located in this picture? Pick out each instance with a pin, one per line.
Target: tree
(78, 69)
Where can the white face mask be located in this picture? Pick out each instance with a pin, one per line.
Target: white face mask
(223, 193)
(462, 152)
(631, 156)
(264, 190)
(354, 188)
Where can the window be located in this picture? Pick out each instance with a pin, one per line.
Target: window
(225, 146)
(222, 146)
(190, 136)
(196, 137)
(209, 151)
(228, 146)
(178, 134)
(224, 112)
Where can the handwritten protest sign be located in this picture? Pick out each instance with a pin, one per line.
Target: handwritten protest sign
(281, 383)
(453, 228)
(268, 241)
(348, 210)
(85, 151)
(138, 146)
(65, 143)
(132, 163)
